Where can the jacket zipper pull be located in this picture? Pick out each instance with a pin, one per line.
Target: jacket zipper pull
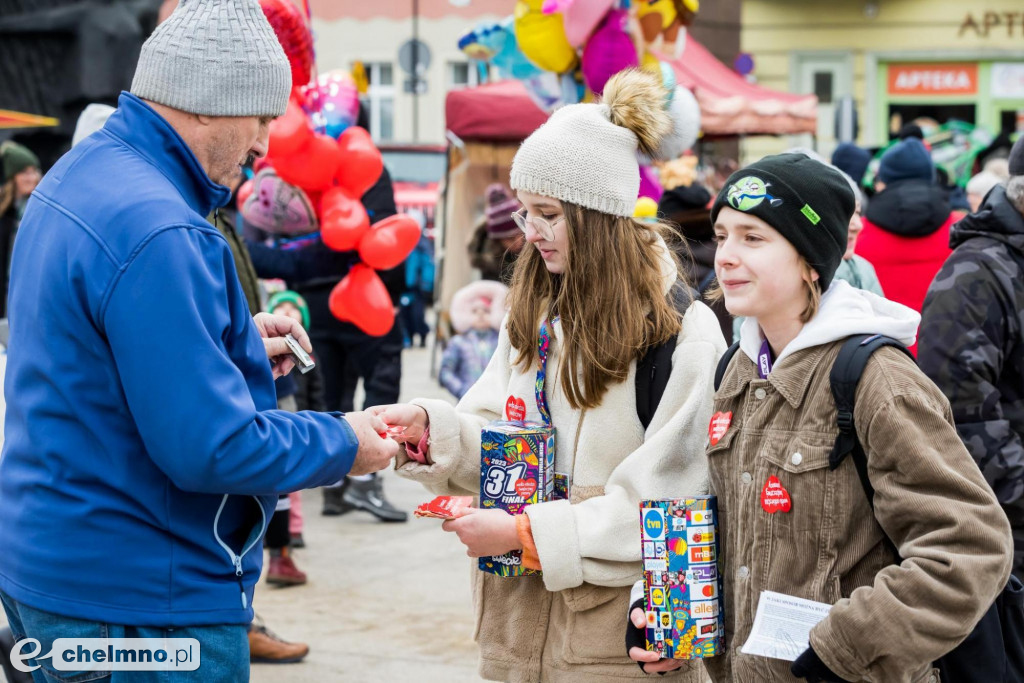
(216, 216)
(239, 573)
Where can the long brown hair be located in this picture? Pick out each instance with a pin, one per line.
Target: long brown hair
(611, 300)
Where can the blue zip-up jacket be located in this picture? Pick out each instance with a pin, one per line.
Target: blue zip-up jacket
(144, 452)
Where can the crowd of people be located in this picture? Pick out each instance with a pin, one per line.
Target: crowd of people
(750, 286)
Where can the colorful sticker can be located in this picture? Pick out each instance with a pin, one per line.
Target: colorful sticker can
(517, 469)
(691, 624)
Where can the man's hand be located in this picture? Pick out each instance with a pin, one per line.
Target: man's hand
(273, 328)
(375, 451)
(485, 532)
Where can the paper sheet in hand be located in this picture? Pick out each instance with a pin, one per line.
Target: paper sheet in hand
(782, 625)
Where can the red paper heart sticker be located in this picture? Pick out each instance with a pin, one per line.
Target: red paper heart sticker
(515, 409)
(774, 496)
(719, 425)
(526, 487)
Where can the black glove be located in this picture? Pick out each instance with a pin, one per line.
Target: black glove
(636, 637)
(809, 666)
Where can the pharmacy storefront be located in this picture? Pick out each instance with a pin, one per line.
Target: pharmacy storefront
(989, 93)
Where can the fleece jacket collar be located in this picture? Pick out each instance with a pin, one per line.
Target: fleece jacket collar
(138, 126)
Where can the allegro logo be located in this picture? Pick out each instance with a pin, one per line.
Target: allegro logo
(110, 654)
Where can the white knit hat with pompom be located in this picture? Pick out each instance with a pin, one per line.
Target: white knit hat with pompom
(586, 154)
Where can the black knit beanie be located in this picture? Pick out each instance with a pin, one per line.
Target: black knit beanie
(807, 201)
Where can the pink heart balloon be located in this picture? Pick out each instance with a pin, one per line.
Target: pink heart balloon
(276, 207)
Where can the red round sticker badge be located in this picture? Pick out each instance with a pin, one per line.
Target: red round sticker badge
(775, 497)
(719, 426)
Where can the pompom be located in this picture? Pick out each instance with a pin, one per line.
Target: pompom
(636, 101)
(684, 113)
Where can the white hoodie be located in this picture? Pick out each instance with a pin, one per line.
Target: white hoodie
(844, 312)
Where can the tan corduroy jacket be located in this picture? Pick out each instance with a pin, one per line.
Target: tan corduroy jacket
(888, 622)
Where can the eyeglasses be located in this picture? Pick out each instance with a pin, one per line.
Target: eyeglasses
(545, 229)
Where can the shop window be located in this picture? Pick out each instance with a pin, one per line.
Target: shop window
(381, 100)
(900, 114)
(466, 74)
(823, 86)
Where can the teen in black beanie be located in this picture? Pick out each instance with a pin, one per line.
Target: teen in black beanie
(815, 219)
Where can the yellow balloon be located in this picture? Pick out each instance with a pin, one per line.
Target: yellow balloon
(646, 209)
(666, 8)
(650, 63)
(541, 37)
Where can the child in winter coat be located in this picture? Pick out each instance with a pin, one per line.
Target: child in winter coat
(476, 312)
(781, 228)
(593, 284)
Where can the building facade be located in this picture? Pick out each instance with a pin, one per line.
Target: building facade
(898, 59)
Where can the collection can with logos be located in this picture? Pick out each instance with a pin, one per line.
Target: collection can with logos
(517, 468)
(682, 581)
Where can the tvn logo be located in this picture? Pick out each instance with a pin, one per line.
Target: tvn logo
(654, 524)
(110, 654)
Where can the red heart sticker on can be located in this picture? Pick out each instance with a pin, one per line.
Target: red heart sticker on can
(526, 487)
(719, 425)
(775, 497)
(515, 409)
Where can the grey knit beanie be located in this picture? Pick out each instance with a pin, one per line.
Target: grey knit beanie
(586, 154)
(217, 58)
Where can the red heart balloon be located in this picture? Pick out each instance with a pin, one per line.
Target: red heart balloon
(362, 299)
(361, 163)
(289, 133)
(387, 243)
(343, 221)
(312, 168)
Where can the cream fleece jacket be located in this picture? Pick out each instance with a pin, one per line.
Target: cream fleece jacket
(595, 538)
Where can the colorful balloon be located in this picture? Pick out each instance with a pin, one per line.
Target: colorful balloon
(344, 220)
(609, 51)
(649, 185)
(541, 37)
(290, 132)
(581, 18)
(312, 167)
(276, 207)
(361, 161)
(389, 242)
(362, 299)
(333, 101)
(293, 33)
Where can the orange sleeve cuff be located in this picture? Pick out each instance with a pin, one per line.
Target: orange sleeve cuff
(525, 532)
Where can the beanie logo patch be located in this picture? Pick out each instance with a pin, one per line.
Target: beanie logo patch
(811, 214)
(748, 193)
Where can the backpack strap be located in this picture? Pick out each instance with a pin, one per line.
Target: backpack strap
(655, 366)
(723, 363)
(845, 375)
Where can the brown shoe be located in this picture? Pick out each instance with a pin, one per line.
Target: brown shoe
(266, 647)
(283, 572)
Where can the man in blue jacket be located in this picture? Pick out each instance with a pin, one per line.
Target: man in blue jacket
(144, 453)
